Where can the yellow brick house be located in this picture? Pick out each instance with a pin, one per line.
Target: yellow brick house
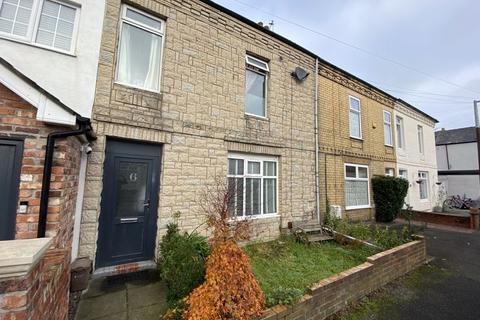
(355, 142)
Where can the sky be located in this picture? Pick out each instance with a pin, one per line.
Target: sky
(435, 45)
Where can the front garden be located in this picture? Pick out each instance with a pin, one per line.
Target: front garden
(220, 279)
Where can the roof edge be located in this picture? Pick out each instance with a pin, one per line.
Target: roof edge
(25, 78)
(417, 110)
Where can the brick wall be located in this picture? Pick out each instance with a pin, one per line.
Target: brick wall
(18, 119)
(334, 293)
(40, 295)
(336, 145)
(199, 115)
(44, 293)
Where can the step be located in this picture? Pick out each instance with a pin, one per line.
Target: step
(319, 237)
(311, 229)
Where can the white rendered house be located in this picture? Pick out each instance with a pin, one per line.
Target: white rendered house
(457, 155)
(416, 156)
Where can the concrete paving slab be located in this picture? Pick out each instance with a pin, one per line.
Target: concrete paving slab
(152, 312)
(104, 305)
(142, 296)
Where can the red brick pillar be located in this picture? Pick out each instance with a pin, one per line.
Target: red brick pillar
(474, 218)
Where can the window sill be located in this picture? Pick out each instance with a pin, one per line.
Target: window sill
(133, 88)
(35, 45)
(357, 208)
(389, 145)
(256, 217)
(356, 138)
(256, 117)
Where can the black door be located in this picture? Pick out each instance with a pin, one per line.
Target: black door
(129, 203)
(10, 164)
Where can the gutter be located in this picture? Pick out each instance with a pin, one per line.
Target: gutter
(317, 178)
(84, 128)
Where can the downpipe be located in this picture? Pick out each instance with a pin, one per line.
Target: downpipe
(317, 178)
(84, 128)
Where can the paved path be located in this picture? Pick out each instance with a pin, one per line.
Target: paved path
(452, 296)
(139, 296)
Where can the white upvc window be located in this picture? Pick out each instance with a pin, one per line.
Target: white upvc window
(423, 184)
(140, 50)
(252, 185)
(400, 134)
(357, 187)
(403, 173)
(421, 148)
(355, 117)
(389, 172)
(387, 128)
(256, 75)
(49, 24)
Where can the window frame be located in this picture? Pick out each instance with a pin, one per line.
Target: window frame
(420, 138)
(392, 171)
(399, 123)
(262, 71)
(390, 129)
(256, 158)
(357, 166)
(426, 179)
(350, 110)
(137, 24)
(31, 37)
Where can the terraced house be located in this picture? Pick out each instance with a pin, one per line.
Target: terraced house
(188, 92)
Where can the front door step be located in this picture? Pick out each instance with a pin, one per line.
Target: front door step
(124, 268)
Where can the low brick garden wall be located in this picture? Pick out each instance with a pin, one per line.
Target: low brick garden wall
(42, 293)
(447, 219)
(331, 295)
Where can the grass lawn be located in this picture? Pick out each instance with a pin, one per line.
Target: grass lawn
(291, 265)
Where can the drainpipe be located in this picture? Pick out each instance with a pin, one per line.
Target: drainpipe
(317, 178)
(84, 128)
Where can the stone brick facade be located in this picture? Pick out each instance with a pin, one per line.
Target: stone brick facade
(332, 294)
(337, 147)
(198, 116)
(43, 294)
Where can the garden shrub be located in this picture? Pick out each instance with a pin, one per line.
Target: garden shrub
(388, 194)
(285, 296)
(230, 290)
(182, 262)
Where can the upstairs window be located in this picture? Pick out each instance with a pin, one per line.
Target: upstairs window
(387, 128)
(421, 148)
(355, 118)
(140, 50)
(46, 23)
(400, 135)
(256, 86)
(15, 17)
(56, 25)
(252, 184)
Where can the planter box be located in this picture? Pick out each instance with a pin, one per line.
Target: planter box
(331, 295)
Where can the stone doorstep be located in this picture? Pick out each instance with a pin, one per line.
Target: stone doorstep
(124, 268)
(20, 256)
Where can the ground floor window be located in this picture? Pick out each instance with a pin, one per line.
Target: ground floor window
(252, 184)
(356, 186)
(423, 184)
(389, 172)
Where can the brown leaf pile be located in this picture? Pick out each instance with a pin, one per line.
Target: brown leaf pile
(230, 290)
